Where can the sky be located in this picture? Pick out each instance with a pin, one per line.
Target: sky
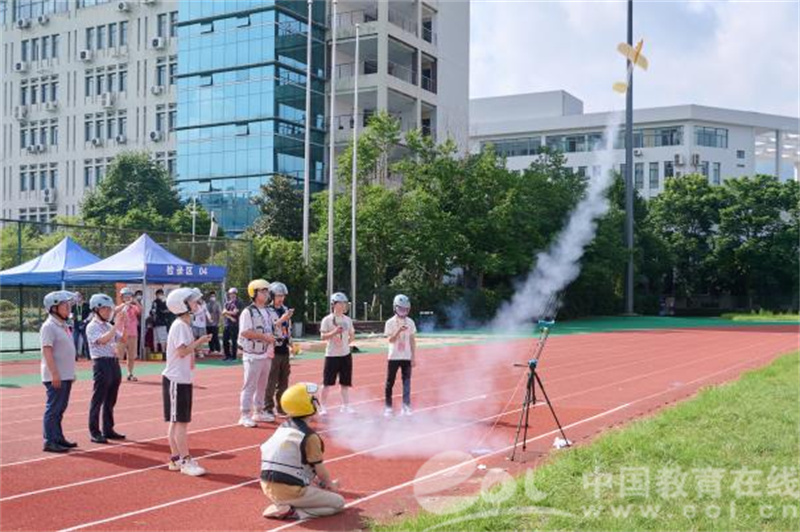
(742, 55)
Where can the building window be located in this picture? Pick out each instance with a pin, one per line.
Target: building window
(173, 117)
(716, 176)
(638, 176)
(712, 137)
(111, 81)
(122, 125)
(24, 46)
(173, 24)
(42, 179)
(160, 118)
(88, 87)
(23, 181)
(740, 154)
(54, 91)
(46, 47)
(87, 174)
(101, 37)
(653, 175)
(34, 49)
(54, 135)
(89, 38)
(123, 81)
(87, 128)
(112, 35)
(110, 127)
(161, 25)
(704, 169)
(161, 72)
(123, 33)
(669, 169)
(173, 69)
(23, 138)
(55, 43)
(23, 95)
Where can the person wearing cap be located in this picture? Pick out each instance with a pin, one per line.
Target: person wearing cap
(102, 338)
(338, 331)
(177, 377)
(258, 343)
(230, 333)
(279, 372)
(57, 368)
(128, 346)
(401, 333)
(292, 462)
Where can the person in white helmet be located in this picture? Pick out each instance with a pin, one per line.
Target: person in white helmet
(401, 333)
(58, 368)
(280, 370)
(337, 330)
(176, 382)
(103, 336)
(129, 312)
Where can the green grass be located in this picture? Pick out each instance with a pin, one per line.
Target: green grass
(763, 315)
(751, 423)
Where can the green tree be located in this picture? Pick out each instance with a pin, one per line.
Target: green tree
(684, 215)
(281, 206)
(377, 145)
(279, 259)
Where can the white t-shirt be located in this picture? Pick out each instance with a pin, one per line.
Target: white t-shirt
(400, 349)
(246, 324)
(339, 345)
(56, 334)
(199, 318)
(179, 369)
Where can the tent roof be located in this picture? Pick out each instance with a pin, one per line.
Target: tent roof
(48, 268)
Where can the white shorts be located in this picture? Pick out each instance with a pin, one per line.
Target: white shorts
(160, 334)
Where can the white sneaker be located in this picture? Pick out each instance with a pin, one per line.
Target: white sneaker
(174, 465)
(247, 421)
(388, 412)
(347, 409)
(191, 468)
(265, 416)
(406, 410)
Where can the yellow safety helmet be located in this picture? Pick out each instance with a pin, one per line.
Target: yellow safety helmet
(256, 284)
(298, 400)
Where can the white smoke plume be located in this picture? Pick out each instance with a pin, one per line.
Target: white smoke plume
(560, 264)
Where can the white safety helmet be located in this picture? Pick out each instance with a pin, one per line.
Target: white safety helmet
(100, 300)
(56, 298)
(233, 290)
(126, 292)
(338, 297)
(401, 301)
(178, 300)
(278, 289)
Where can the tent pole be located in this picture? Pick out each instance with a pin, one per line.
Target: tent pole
(21, 311)
(142, 319)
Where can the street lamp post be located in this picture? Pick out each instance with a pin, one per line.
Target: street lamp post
(332, 152)
(354, 178)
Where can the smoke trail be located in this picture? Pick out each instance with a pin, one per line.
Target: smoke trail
(560, 264)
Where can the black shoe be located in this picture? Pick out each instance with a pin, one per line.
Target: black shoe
(99, 438)
(68, 444)
(114, 435)
(50, 447)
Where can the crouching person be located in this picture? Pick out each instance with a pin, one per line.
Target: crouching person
(292, 460)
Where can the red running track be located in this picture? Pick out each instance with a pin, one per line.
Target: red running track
(465, 398)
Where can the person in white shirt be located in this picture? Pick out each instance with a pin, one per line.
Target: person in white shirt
(401, 334)
(337, 329)
(258, 344)
(199, 323)
(176, 382)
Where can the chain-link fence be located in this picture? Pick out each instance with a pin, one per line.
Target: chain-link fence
(21, 312)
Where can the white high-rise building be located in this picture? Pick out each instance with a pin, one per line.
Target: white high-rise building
(83, 80)
(668, 141)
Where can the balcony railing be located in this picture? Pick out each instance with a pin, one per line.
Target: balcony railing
(345, 122)
(403, 21)
(347, 70)
(351, 18)
(429, 84)
(402, 72)
(428, 34)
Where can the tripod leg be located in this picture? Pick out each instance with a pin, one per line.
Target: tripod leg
(550, 405)
(530, 400)
(523, 418)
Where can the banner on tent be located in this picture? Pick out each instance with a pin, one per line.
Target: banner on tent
(197, 273)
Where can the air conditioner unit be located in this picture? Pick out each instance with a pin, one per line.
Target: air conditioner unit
(123, 7)
(85, 55)
(157, 43)
(23, 23)
(121, 139)
(157, 90)
(638, 152)
(49, 195)
(156, 136)
(40, 148)
(51, 106)
(97, 141)
(695, 159)
(20, 112)
(31, 148)
(43, 20)
(678, 160)
(20, 66)
(107, 100)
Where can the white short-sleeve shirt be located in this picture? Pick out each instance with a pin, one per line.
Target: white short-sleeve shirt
(400, 349)
(179, 369)
(339, 344)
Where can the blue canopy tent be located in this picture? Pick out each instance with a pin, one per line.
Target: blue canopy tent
(50, 267)
(144, 261)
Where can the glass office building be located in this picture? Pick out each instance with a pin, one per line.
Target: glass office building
(241, 101)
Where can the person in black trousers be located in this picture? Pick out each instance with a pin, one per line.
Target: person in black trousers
(233, 307)
(102, 337)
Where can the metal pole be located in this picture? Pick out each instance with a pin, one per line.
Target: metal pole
(629, 173)
(332, 152)
(354, 178)
(307, 143)
(365, 311)
(21, 311)
(142, 334)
